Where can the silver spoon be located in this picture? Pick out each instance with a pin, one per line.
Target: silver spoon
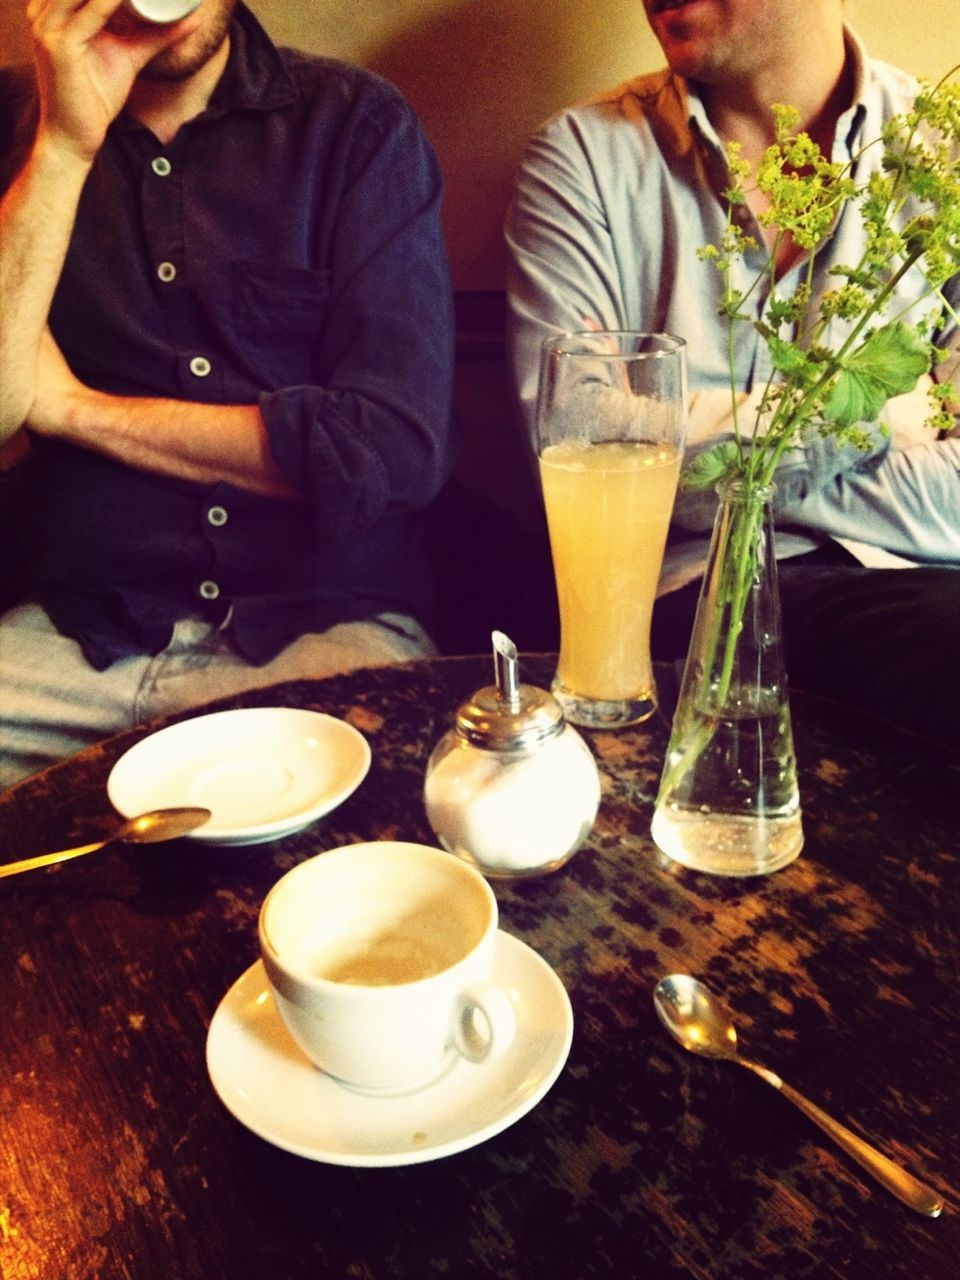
(699, 1021)
(148, 828)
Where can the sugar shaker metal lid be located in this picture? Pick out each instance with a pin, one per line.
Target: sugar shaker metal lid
(508, 716)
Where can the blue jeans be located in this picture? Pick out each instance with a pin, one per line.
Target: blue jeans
(53, 703)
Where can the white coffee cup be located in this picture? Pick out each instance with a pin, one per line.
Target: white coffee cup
(380, 958)
(162, 11)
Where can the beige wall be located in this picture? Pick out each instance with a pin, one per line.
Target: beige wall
(483, 73)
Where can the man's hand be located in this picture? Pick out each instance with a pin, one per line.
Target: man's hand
(87, 57)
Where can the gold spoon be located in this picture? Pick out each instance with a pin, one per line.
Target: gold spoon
(699, 1021)
(148, 828)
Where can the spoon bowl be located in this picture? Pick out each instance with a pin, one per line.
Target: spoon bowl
(160, 824)
(700, 1022)
(145, 828)
(694, 1017)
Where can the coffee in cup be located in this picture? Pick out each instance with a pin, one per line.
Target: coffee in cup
(380, 957)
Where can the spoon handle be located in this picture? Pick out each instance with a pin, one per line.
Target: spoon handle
(914, 1193)
(45, 859)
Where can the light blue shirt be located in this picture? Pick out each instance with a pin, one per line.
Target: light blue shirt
(613, 201)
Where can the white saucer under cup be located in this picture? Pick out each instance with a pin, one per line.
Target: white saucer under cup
(272, 1089)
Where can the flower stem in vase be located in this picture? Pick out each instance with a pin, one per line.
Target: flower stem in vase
(728, 801)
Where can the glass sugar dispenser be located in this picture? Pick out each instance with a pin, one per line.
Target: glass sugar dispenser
(512, 788)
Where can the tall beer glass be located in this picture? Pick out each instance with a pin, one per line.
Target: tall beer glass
(611, 416)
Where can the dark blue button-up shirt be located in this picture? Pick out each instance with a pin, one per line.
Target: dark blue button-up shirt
(284, 249)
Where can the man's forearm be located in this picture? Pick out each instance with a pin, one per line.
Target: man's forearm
(36, 220)
(205, 443)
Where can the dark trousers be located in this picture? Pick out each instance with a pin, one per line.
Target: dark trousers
(886, 640)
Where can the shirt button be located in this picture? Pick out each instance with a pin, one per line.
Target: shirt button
(209, 590)
(217, 516)
(161, 166)
(200, 366)
(166, 272)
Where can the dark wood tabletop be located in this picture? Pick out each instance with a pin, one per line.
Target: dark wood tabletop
(119, 1162)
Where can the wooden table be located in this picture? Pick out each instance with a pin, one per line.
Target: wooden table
(118, 1161)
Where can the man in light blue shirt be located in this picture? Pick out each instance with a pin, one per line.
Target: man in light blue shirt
(614, 199)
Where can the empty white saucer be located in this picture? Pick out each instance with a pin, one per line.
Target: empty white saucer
(263, 772)
(264, 1080)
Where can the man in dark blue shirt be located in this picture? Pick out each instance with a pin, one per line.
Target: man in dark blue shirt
(226, 334)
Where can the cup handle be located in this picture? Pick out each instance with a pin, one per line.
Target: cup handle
(486, 1023)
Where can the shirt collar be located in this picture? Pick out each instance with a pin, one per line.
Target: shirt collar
(256, 76)
(850, 124)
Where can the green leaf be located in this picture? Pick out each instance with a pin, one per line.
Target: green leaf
(888, 363)
(704, 470)
(787, 357)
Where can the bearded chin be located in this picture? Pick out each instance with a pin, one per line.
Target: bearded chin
(163, 72)
(173, 65)
(181, 62)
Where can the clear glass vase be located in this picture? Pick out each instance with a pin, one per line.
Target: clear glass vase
(728, 801)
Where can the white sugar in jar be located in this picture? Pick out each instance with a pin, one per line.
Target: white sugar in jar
(512, 788)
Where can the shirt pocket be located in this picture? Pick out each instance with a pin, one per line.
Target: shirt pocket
(279, 313)
(278, 301)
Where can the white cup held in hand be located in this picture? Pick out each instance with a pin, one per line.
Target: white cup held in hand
(162, 11)
(380, 959)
